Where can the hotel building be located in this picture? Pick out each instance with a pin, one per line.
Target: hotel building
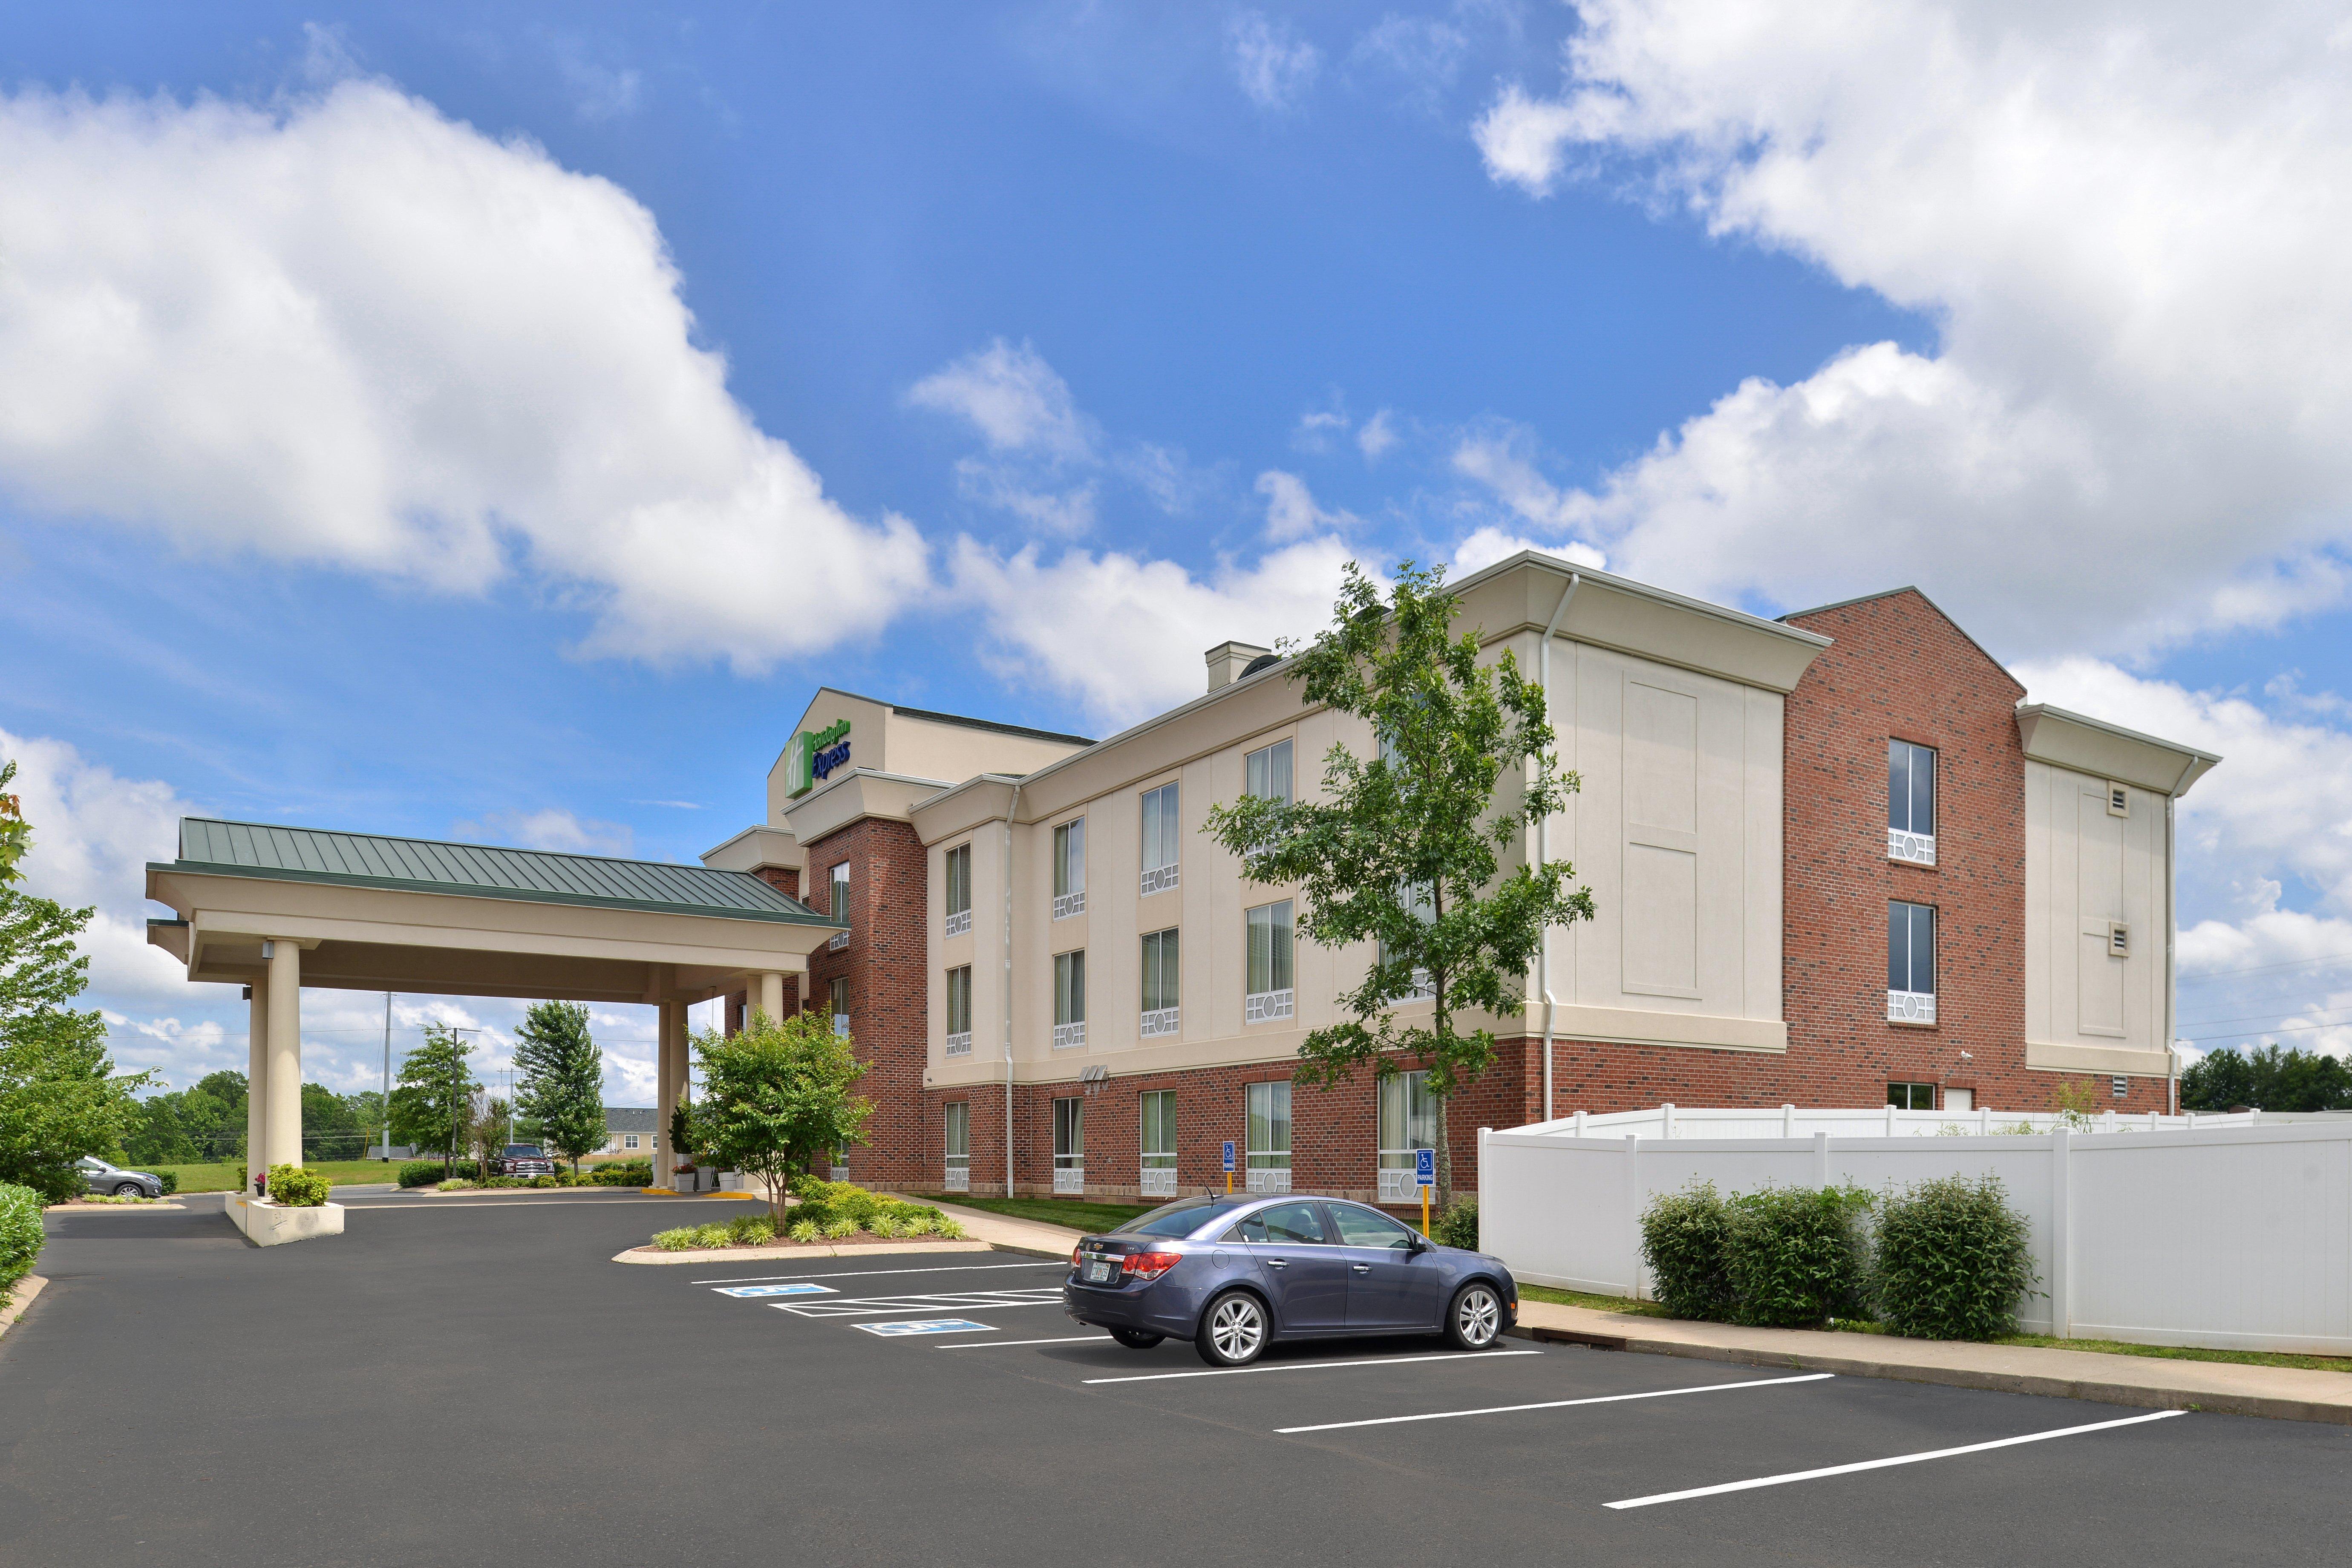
(1836, 860)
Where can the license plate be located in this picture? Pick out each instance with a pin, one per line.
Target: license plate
(1099, 1272)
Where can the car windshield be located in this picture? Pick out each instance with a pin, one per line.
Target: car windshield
(522, 1151)
(1180, 1219)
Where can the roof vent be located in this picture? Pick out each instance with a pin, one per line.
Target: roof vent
(1263, 661)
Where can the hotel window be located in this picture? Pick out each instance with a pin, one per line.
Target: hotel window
(1267, 996)
(1159, 976)
(959, 889)
(1408, 1122)
(1265, 772)
(1159, 1143)
(1161, 816)
(1069, 999)
(839, 992)
(1269, 1137)
(959, 1145)
(1910, 964)
(1070, 870)
(1911, 1096)
(1910, 802)
(839, 907)
(1423, 901)
(960, 1011)
(1070, 1145)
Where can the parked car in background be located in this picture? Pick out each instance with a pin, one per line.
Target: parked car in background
(522, 1160)
(1235, 1274)
(99, 1177)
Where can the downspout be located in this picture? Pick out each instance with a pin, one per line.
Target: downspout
(1010, 805)
(1543, 839)
(2171, 979)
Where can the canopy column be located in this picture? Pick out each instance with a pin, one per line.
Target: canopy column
(256, 1078)
(282, 1118)
(666, 1081)
(769, 998)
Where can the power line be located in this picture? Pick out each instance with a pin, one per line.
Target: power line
(2257, 1034)
(2246, 1018)
(2259, 968)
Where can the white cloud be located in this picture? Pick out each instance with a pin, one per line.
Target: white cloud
(2129, 225)
(1126, 636)
(1485, 546)
(1290, 510)
(352, 332)
(1426, 52)
(1378, 436)
(551, 828)
(1274, 66)
(1315, 429)
(1015, 400)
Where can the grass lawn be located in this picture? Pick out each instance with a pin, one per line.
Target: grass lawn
(1849, 1326)
(1070, 1211)
(230, 1178)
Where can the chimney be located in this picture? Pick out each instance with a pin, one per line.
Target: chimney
(1228, 659)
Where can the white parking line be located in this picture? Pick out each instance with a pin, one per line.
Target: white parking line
(1884, 1464)
(1560, 1403)
(1316, 1365)
(1000, 1344)
(945, 1301)
(868, 1273)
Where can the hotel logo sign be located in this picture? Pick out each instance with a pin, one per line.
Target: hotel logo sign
(815, 754)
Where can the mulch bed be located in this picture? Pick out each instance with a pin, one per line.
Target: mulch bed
(863, 1237)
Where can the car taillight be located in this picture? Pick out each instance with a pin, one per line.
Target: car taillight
(1074, 1258)
(1151, 1265)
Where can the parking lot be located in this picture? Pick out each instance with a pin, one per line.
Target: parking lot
(456, 1383)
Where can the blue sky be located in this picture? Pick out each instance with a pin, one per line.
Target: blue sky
(495, 423)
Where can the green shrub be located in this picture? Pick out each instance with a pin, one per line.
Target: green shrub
(750, 1229)
(817, 1213)
(20, 1232)
(916, 1224)
(951, 1229)
(1952, 1261)
(459, 1184)
(1794, 1255)
(839, 1228)
(803, 1230)
(295, 1187)
(679, 1240)
(1459, 1226)
(170, 1179)
(419, 1174)
(623, 1173)
(1683, 1248)
(886, 1225)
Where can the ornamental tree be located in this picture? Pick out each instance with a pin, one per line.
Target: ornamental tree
(60, 1098)
(435, 1093)
(560, 1079)
(1403, 849)
(775, 1095)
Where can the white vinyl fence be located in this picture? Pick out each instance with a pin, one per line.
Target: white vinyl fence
(2235, 1233)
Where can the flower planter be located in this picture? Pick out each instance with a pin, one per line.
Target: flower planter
(267, 1224)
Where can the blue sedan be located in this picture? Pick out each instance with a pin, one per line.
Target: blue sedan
(1234, 1274)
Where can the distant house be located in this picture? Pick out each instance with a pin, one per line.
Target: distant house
(628, 1132)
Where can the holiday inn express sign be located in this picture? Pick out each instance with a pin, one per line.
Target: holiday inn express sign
(815, 754)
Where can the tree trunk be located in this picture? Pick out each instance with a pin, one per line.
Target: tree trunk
(1444, 1160)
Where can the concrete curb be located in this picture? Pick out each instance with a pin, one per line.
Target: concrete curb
(159, 1207)
(20, 1295)
(771, 1254)
(2151, 1394)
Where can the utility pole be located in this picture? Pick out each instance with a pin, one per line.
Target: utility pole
(383, 1110)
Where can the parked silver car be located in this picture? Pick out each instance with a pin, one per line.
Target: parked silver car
(100, 1177)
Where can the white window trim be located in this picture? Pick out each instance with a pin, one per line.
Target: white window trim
(1069, 1180)
(1268, 1180)
(1157, 1182)
(960, 1043)
(1161, 1021)
(1910, 1007)
(958, 1176)
(1159, 879)
(1270, 1006)
(1915, 848)
(1069, 904)
(1069, 1036)
(959, 923)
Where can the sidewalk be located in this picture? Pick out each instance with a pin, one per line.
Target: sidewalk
(2286, 1394)
(1032, 1236)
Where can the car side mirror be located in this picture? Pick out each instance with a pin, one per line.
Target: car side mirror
(1419, 1245)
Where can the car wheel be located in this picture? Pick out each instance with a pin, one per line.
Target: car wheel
(1233, 1331)
(130, 1190)
(1136, 1339)
(1476, 1318)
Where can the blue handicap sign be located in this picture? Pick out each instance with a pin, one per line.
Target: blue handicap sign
(1229, 1156)
(751, 1290)
(926, 1326)
(1424, 1167)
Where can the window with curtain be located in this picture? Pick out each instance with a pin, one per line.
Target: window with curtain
(1269, 1126)
(1070, 999)
(1069, 1134)
(839, 993)
(958, 889)
(1070, 868)
(1910, 802)
(959, 999)
(1159, 1130)
(1408, 1120)
(1267, 967)
(1265, 772)
(1162, 845)
(1160, 969)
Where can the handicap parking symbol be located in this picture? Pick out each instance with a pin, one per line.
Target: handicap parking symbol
(740, 1291)
(927, 1326)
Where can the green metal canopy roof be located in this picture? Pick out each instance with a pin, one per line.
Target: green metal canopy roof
(477, 870)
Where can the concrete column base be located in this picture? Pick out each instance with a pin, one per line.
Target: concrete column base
(267, 1224)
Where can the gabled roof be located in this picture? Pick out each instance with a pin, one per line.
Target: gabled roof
(962, 720)
(1795, 615)
(630, 1117)
(276, 853)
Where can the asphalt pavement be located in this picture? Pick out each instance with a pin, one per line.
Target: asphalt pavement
(470, 1381)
